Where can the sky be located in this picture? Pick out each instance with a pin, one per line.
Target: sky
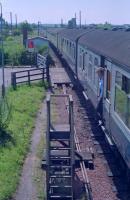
(51, 11)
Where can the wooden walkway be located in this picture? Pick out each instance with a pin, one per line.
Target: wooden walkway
(59, 76)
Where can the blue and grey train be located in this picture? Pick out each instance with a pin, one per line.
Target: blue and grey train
(89, 50)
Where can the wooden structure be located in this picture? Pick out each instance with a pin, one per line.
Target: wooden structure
(59, 157)
(28, 76)
(59, 76)
(34, 43)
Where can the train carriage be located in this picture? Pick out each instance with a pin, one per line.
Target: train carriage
(86, 51)
(113, 49)
(68, 45)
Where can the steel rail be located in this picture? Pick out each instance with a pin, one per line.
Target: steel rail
(82, 163)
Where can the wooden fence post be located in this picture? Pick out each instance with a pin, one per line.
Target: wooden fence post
(13, 80)
(43, 71)
(36, 59)
(29, 78)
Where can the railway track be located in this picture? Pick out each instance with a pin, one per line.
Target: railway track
(62, 89)
(105, 181)
(86, 181)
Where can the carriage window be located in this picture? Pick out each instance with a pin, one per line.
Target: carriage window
(121, 103)
(119, 79)
(80, 61)
(90, 58)
(108, 85)
(95, 77)
(86, 59)
(83, 61)
(74, 52)
(122, 98)
(96, 61)
(80, 50)
(128, 111)
(90, 72)
(70, 50)
(126, 84)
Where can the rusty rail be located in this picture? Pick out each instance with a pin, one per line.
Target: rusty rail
(82, 164)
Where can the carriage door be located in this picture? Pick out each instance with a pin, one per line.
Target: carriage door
(107, 94)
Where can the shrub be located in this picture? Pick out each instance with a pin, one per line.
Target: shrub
(9, 39)
(42, 50)
(16, 33)
(50, 61)
(27, 58)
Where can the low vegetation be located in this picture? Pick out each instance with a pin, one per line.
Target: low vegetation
(13, 50)
(15, 53)
(25, 102)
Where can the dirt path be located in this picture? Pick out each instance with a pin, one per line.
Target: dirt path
(32, 181)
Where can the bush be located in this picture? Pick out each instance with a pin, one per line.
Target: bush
(50, 61)
(27, 58)
(16, 33)
(15, 54)
(42, 50)
(9, 39)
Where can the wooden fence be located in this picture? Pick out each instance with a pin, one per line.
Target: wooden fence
(28, 76)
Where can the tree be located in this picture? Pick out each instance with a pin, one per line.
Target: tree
(25, 25)
(25, 28)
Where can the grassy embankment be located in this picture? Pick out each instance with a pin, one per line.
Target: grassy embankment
(25, 103)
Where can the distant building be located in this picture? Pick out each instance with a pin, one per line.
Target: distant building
(72, 23)
(36, 42)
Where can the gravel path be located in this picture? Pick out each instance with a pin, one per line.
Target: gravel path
(28, 188)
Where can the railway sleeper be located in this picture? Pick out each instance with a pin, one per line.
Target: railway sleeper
(84, 156)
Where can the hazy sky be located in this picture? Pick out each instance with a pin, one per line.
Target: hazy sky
(51, 11)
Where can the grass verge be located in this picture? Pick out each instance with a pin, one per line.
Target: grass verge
(25, 103)
(39, 173)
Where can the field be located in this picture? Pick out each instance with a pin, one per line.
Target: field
(25, 102)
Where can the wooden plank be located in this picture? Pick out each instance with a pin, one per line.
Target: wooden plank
(26, 76)
(61, 128)
(59, 76)
(28, 70)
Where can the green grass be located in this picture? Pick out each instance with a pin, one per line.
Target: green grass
(14, 45)
(39, 173)
(25, 103)
(13, 48)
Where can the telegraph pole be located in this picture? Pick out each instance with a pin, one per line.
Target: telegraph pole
(11, 21)
(38, 28)
(16, 20)
(2, 53)
(80, 18)
(76, 20)
(61, 23)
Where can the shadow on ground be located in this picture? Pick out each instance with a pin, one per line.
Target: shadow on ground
(5, 138)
